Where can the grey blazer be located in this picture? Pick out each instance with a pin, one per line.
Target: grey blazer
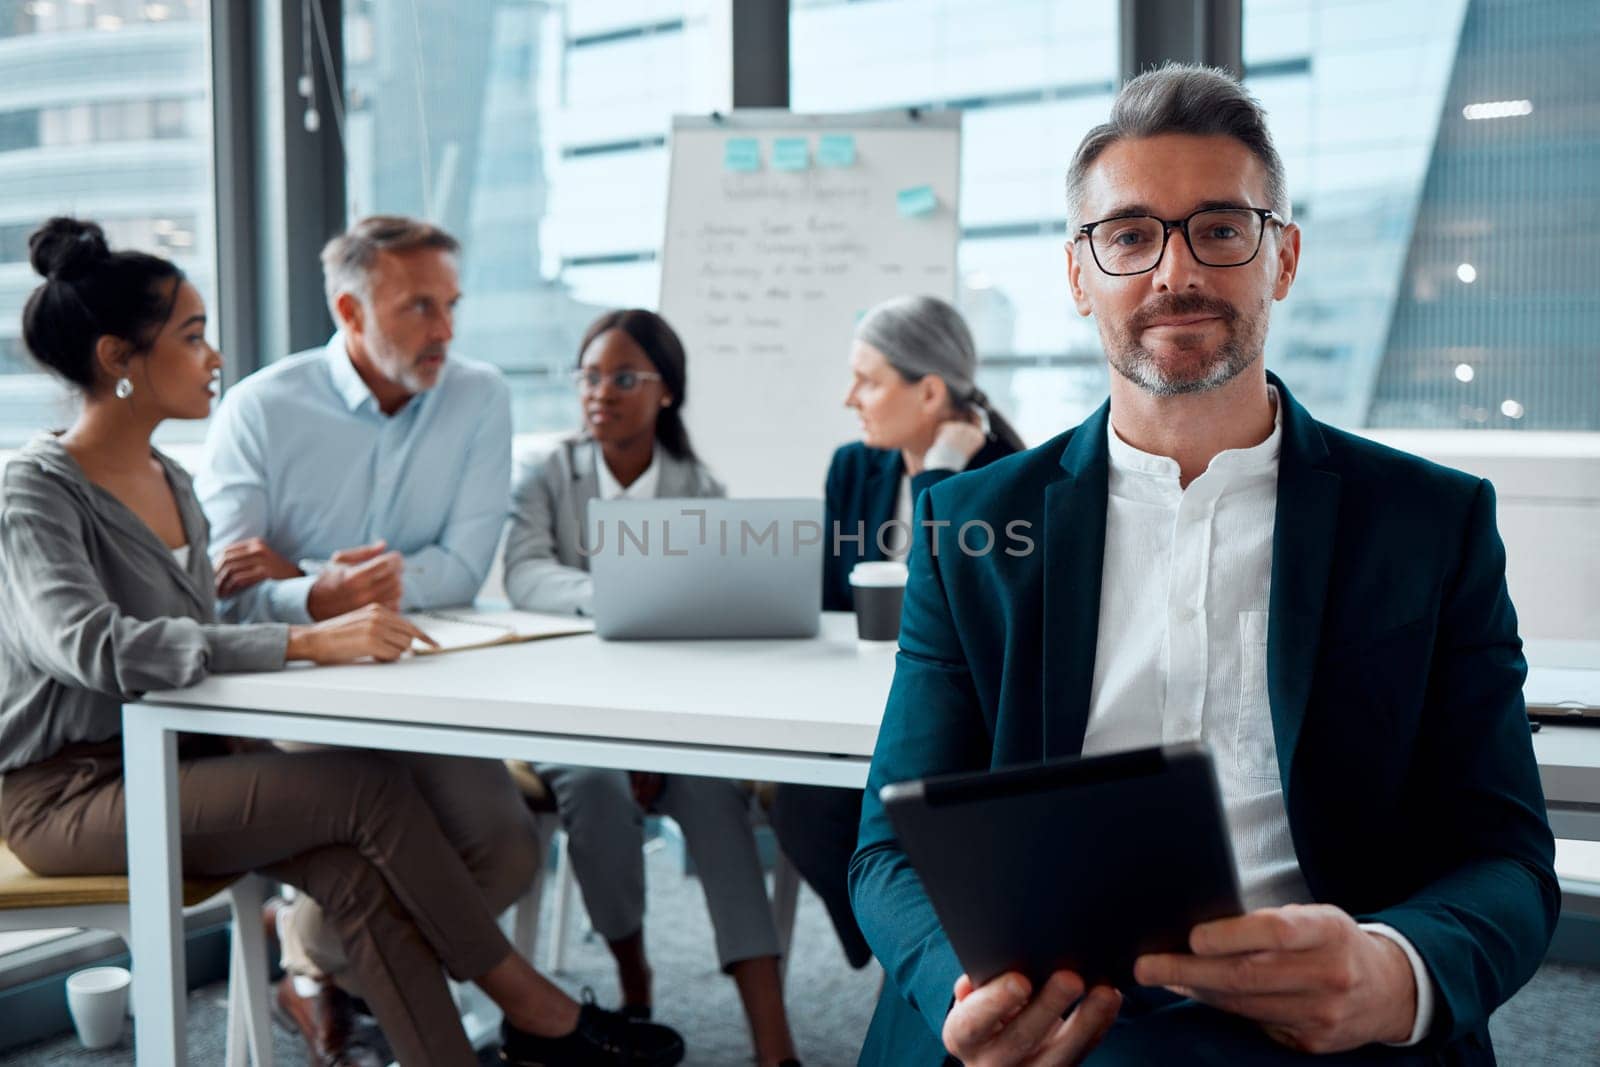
(544, 571)
(95, 610)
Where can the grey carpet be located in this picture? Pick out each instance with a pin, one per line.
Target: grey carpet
(1553, 1022)
(829, 1004)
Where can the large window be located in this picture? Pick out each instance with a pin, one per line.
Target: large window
(1031, 76)
(1444, 161)
(104, 113)
(536, 132)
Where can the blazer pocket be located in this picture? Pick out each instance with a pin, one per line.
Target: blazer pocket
(1254, 746)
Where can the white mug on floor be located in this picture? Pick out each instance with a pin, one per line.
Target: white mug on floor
(97, 999)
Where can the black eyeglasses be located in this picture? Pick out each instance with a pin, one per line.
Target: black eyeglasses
(1217, 237)
(625, 381)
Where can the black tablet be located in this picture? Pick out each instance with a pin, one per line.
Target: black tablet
(1081, 864)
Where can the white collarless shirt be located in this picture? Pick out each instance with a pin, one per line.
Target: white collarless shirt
(643, 487)
(1181, 654)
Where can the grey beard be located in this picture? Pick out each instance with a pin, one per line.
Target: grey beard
(1141, 368)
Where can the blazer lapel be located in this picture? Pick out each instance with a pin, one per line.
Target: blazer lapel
(584, 484)
(1302, 555)
(677, 476)
(878, 497)
(1074, 554)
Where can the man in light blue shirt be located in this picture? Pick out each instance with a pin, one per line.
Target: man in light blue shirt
(371, 470)
(376, 469)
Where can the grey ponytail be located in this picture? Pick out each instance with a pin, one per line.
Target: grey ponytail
(923, 335)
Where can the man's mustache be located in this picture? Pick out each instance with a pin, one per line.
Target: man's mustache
(432, 352)
(1176, 304)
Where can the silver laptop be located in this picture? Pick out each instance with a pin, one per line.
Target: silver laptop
(676, 569)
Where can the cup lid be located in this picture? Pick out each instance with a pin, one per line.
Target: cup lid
(884, 573)
(99, 979)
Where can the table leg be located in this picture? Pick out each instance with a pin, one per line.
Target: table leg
(155, 903)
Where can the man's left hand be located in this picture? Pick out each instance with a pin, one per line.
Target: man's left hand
(1308, 974)
(245, 563)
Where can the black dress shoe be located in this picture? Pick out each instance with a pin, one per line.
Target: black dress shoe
(602, 1039)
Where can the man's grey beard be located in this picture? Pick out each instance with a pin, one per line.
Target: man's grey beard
(1142, 369)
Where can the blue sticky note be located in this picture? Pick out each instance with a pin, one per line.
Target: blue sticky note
(836, 150)
(791, 153)
(916, 201)
(741, 154)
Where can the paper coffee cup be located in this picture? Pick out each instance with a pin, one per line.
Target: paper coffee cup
(879, 590)
(97, 1000)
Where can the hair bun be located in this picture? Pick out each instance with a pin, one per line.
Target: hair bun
(64, 249)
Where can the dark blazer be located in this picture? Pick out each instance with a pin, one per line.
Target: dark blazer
(860, 498)
(1394, 673)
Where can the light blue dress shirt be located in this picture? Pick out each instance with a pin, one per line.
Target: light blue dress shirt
(299, 455)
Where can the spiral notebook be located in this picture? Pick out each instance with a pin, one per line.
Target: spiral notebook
(466, 628)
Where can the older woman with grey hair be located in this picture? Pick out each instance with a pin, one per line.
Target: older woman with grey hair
(923, 419)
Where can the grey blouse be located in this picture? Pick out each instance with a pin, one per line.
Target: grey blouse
(96, 610)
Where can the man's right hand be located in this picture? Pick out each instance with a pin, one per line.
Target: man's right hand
(354, 578)
(1002, 1024)
(373, 632)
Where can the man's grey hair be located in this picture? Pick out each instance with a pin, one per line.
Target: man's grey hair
(347, 260)
(1181, 98)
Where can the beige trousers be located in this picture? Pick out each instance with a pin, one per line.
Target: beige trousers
(350, 828)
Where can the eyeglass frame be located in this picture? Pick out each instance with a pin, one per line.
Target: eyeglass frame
(580, 379)
(1266, 215)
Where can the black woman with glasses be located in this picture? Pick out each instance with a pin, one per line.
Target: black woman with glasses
(632, 381)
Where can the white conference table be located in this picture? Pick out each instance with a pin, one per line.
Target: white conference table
(773, 710)
(1567, 672)
(786, 711)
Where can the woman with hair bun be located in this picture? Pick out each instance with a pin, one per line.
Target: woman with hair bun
(106, 593)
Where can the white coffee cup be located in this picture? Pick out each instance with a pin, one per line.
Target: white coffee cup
(879, 589)
(97, 1000)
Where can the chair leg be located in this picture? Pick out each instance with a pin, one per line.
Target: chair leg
(249, 1021)
(525, 919)
(555, 955)
(238, 1046)
(785, 894)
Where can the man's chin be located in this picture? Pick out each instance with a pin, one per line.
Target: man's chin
(1180, 372)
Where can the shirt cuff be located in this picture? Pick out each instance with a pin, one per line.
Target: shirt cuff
(944, 456)
(288, 597)
(1419, 971)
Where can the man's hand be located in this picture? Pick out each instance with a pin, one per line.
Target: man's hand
(246, 563)
(354, 578)
(1001, 1024)
(1311, 977)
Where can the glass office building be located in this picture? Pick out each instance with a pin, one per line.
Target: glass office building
(104, 113)
(1443, 158)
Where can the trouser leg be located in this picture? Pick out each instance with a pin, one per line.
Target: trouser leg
(817, 827)
(482, 815)
(605, 839)
(408, 906)
(715, 817)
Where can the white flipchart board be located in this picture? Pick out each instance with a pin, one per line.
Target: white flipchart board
(768, 264)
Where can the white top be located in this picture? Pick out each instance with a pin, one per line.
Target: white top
(643, 487)
(181, 554)
(1182, 648)
(941, 456)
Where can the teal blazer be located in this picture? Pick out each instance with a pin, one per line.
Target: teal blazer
(1394, 673)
